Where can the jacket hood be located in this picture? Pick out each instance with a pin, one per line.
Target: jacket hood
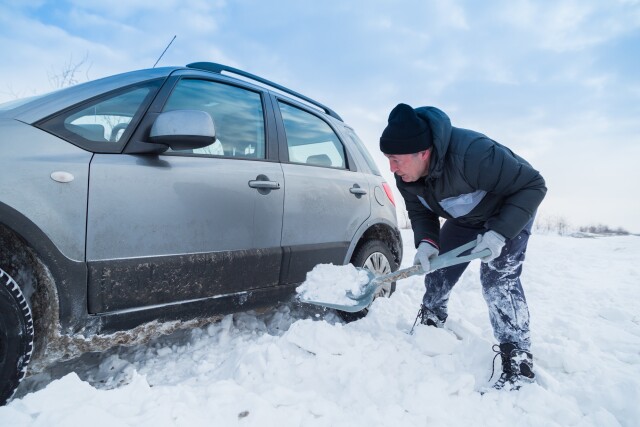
(440, 125)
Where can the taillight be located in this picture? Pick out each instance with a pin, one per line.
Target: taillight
(387, 190)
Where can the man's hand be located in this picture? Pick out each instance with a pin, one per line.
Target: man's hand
(492, 241)
(426, 251)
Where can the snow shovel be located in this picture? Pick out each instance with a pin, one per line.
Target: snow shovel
(370, 290)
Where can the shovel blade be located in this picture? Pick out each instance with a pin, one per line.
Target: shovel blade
(360, 302)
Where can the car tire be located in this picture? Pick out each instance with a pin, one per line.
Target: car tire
(16, 336)
(375, 256)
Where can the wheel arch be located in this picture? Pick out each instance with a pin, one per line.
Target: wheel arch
(54, 285)
(382, 230)
(36, 283)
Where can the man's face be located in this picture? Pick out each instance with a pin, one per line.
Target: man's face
(410, 167)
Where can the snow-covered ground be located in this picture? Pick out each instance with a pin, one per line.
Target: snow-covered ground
(293, 368)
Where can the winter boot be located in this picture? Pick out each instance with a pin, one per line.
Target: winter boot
(427, 317)
(517, 367)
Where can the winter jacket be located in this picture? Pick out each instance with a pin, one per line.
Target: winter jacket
(473, 180)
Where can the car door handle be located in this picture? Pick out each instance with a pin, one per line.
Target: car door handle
(262, 182)
(271, 185)
(357, 190)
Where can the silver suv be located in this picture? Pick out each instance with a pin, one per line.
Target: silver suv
(143, 202)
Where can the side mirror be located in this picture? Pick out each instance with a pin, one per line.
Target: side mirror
(183, 129)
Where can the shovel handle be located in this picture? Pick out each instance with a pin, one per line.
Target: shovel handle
(445, 260)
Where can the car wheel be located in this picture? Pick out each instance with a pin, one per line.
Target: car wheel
(376, 257)
(16, 336)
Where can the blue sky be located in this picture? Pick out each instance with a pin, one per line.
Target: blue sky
(556, 81)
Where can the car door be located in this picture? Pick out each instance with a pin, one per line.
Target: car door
(326, 198)
(188, 224)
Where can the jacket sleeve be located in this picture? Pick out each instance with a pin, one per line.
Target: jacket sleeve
(495, 169)
(424, 222)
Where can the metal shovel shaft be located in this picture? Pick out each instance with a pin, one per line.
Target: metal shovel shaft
(445, 260)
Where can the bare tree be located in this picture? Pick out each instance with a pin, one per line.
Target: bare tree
(68, 76)
(14, 94)
(552, 224)
(562, 226)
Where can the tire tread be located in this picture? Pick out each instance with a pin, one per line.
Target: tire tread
(27, 347)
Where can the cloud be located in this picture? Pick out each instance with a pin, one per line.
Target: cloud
(571, 25)
(556, 81)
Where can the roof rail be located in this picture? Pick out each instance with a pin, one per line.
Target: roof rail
(219, 68)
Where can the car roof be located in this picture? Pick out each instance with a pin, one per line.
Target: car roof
(42, 106)
(219, 68)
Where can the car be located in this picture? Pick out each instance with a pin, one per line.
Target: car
(165, 198)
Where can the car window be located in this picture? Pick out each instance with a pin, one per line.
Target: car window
(106, 120)
(100, 124)
(237, 115)
(363, 151)
(310, 140)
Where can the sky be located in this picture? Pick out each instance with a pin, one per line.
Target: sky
(555, 81)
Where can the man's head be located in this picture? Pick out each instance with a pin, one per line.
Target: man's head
(406, 133)
(407, 142)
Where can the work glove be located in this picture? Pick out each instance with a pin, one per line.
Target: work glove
(492, 241)
(426, 251)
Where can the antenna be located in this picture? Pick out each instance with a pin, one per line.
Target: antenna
(165, 49)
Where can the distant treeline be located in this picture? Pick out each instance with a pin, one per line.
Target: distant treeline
(603, 229)
(559, 225)
(555, 225)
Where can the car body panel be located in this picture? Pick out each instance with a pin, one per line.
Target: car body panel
(316, 199)
(317, 196)
(197, 213)
(28, 157)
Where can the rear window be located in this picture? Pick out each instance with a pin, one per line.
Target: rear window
(363, 151)
(310, 140)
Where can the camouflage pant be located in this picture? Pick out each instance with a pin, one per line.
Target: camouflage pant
(500, 280)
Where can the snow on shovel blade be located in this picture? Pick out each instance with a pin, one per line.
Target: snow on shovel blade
(357, 302)
(340, 287)
(369, 291)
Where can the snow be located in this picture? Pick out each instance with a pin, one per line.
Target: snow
(331, 283)
(294, 366)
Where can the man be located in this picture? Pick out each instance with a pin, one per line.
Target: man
(486, 193)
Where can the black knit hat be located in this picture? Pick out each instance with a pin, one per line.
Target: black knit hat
(406, 133)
